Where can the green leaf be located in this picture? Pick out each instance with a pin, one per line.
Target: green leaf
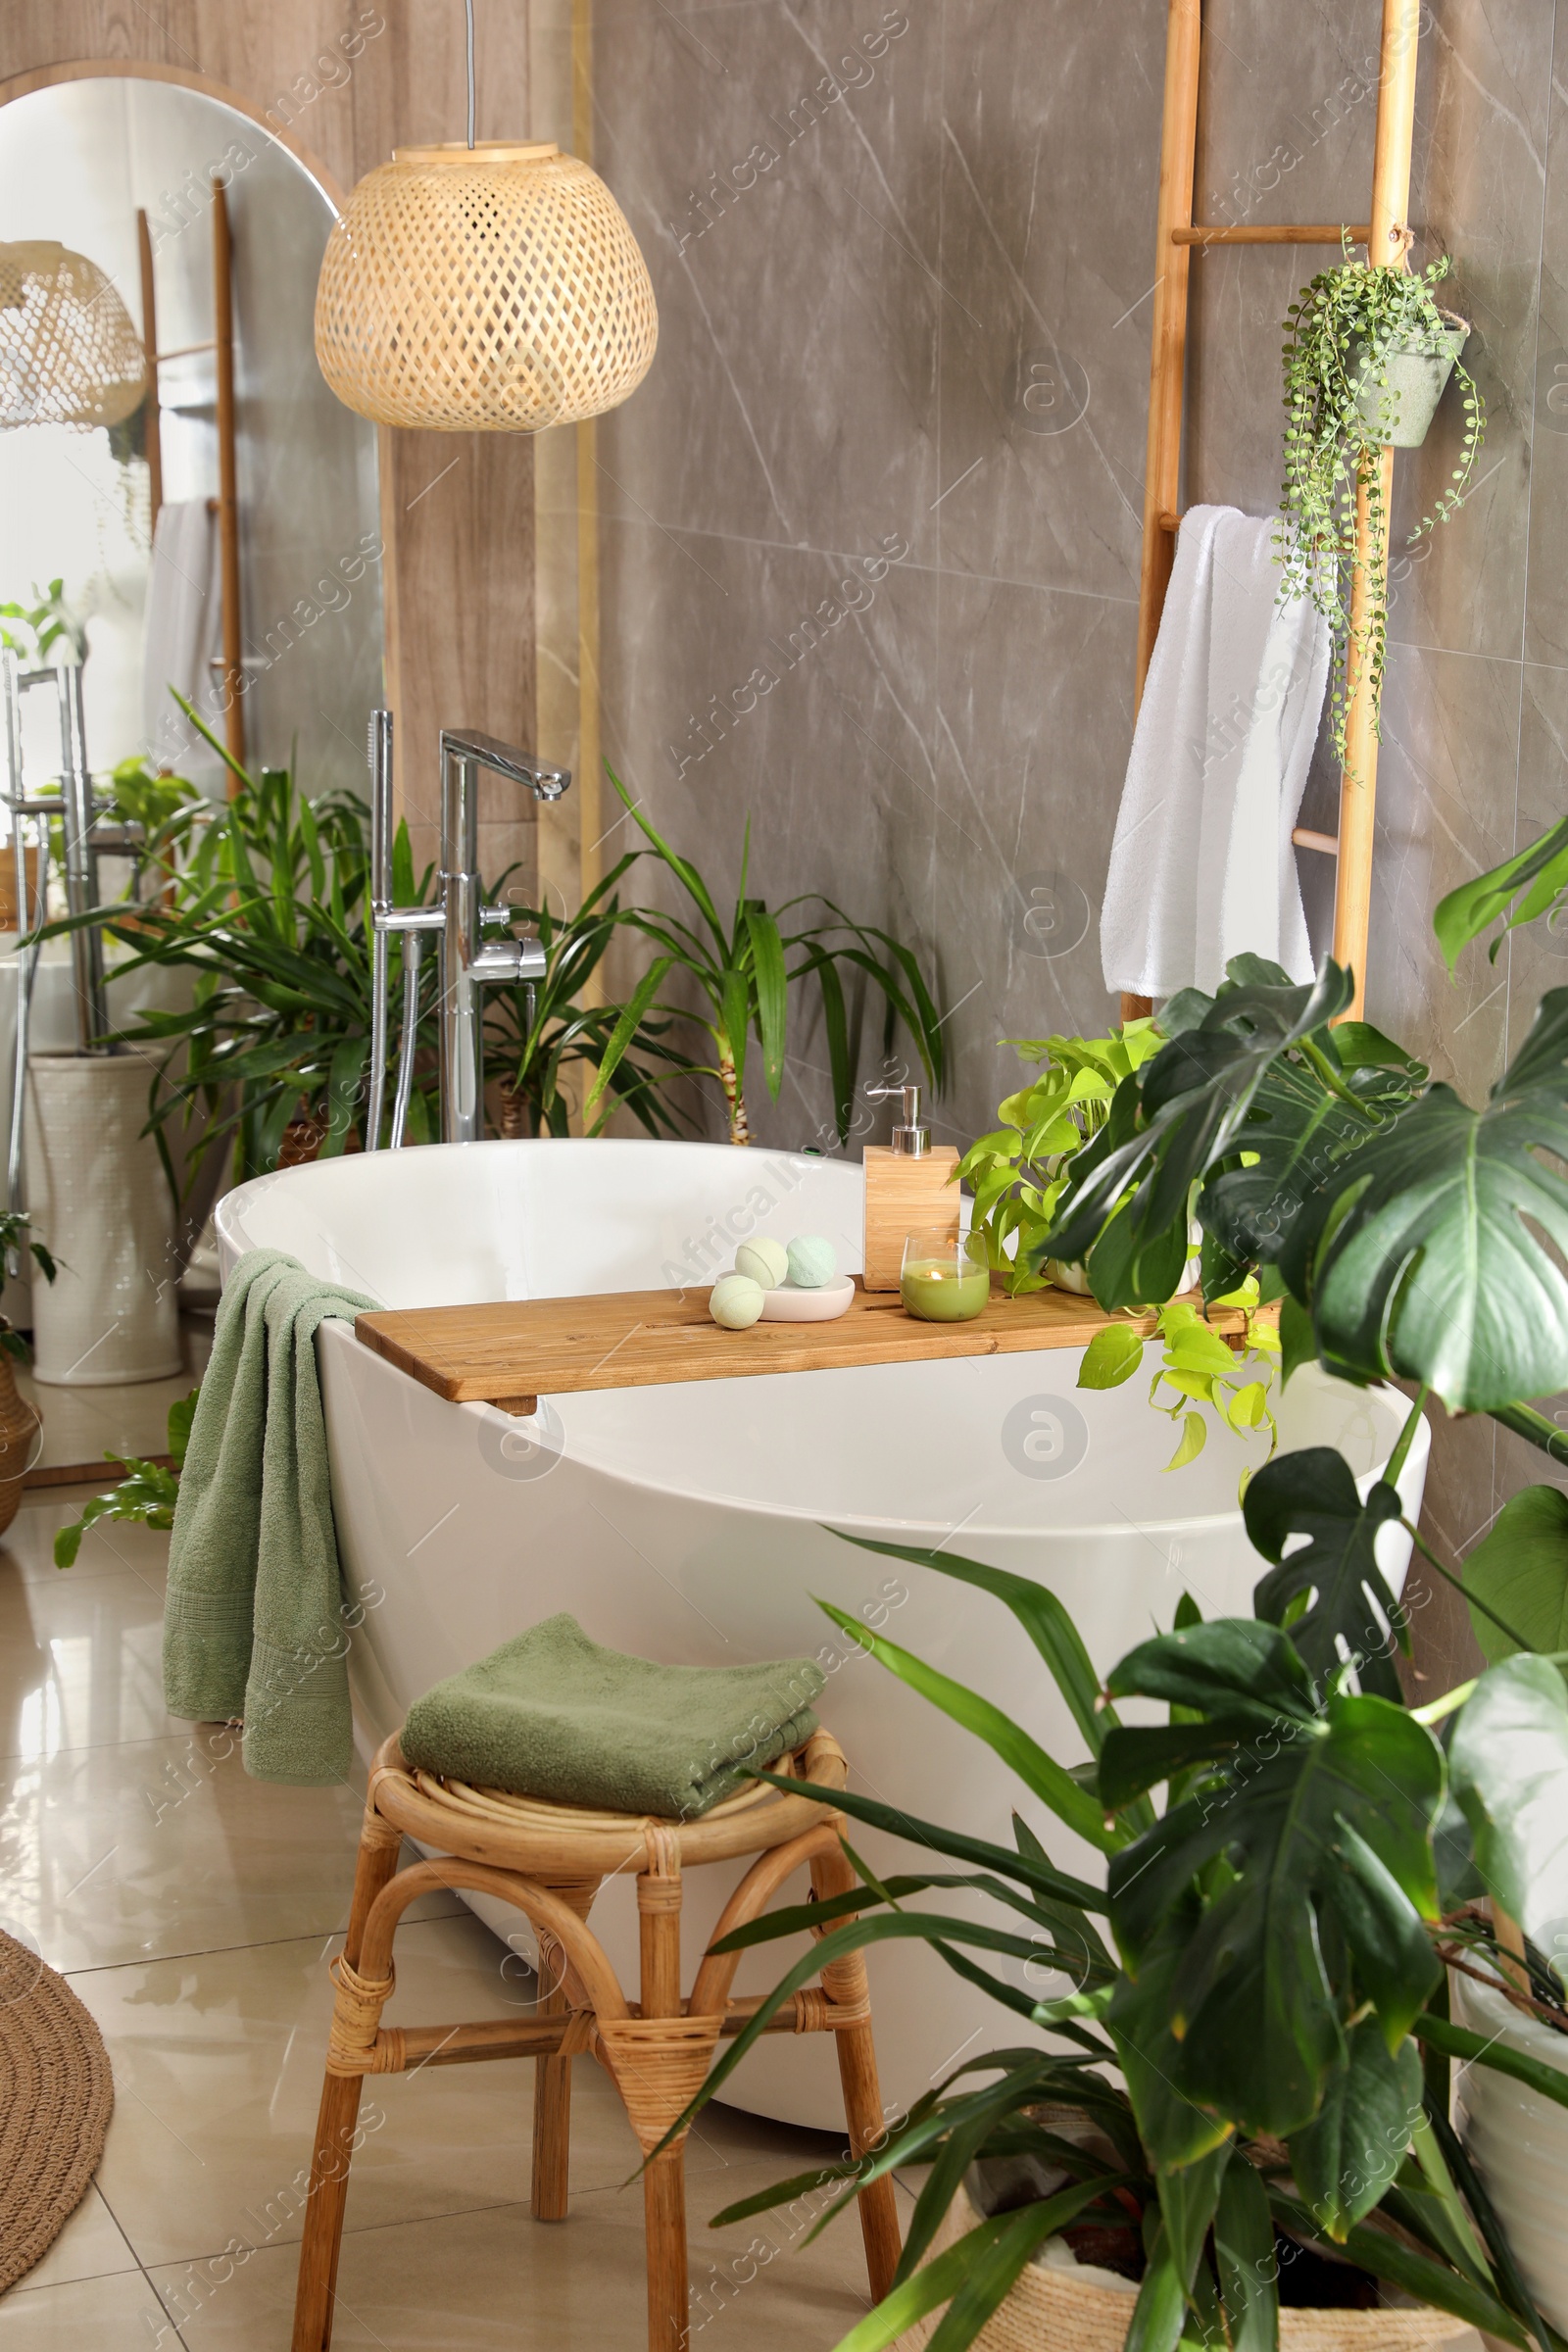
(1350, 2152)
(1040, 1614)
(627, 1027)
(1520, 1569)
(1298, 1337)
(1040, 1773)
(1250, 2002)
(182, 1414)
(1387, 2257)
(1243, 2251)
(767, 975)
(1195, 1435)
(1111, 1357)
(1159, 2314)
(1313, 1494)
(1189, 2195)
(1171, 1121)
(1536, 876)
(1433, 1270)
(1508, 1764)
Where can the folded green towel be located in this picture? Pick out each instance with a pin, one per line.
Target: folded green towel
(553, 1715)
(253, 1621)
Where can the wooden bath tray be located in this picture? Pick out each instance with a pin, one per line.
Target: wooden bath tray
(513, 1351)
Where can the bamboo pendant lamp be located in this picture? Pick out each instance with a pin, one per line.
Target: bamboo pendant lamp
(490, 288)
(68, 353)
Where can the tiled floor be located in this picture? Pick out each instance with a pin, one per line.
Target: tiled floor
(81, 1425)
(194, 1911)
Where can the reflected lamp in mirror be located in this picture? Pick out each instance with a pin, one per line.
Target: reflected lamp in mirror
(68, 353)
(494, 288)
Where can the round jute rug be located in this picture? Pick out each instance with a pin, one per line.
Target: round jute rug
(56, 2098)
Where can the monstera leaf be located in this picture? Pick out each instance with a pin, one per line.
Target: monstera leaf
(1171, 1121)
(1313, 1494)
(1432, 1267)
(1267, 1205)
(1257, 2016)
(1519, 1574)
(1509, 1764)
(1536, 877)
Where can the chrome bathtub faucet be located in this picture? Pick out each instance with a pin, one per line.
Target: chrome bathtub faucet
(468, 961)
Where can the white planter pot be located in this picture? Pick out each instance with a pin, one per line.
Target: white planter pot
(1518, 2142)
(100, 1202)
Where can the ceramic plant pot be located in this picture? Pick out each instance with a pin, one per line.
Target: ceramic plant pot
(19, 1424)
(1518, 2142)
(1400, 411)
(99, 1198)
(1060, 2305)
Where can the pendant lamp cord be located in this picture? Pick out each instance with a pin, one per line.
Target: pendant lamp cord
(469, 6)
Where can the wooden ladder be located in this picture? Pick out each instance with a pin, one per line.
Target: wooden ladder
(1178, 232)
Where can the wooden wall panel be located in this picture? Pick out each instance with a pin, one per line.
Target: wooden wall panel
(457, 509)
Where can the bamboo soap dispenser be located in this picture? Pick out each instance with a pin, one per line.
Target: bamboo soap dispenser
(908, 1189)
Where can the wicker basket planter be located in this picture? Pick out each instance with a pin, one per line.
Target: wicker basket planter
(19, 1425)
(1084, 2310)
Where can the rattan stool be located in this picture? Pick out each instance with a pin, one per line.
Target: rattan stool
(550, 1861)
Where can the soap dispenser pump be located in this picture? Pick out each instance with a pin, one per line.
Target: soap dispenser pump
(908, 1189)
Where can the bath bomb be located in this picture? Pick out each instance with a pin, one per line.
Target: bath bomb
(736, 1302)
(813, 1261)
(763, 1262)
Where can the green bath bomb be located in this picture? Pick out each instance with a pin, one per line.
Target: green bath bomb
(736, 1302)
(813, 1261)
(763, 1262)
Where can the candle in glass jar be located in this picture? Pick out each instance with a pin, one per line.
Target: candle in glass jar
(944, 1278)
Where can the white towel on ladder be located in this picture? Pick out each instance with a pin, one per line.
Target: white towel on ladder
(1202, 867)
(183, 628)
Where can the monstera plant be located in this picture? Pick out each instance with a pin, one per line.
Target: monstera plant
(1251, 2039)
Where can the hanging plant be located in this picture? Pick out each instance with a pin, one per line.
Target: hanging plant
(1358, 340)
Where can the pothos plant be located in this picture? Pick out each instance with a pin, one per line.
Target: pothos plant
(1339, 334)
(1019, 1173)
(14, 1237)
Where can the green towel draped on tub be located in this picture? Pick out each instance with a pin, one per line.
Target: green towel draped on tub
(254, 1623)
(553, 1715)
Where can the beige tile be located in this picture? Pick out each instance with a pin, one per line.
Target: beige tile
(161, 1846)
(80, 1662)
(89, 2246)
(83, 1424)
(496, 2278)
(111, 1549)
(90, 2315)
(218, 2062)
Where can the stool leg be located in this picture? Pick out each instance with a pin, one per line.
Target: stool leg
(323, 2213)
(659, 1897)
(552, 2100)
(335, 2124)
(831, 1875)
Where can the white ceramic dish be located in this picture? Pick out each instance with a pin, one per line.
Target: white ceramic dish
(696, 1523)
(787, 1305)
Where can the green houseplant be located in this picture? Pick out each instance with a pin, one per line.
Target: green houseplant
(1271, 1992)
(1351, 338)
(543, 1033)
(146, 1493)
(743, 971)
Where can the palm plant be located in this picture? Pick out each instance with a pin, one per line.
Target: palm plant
(269, 916)
(1252, 2042)
(743, 972)
(545, 1031)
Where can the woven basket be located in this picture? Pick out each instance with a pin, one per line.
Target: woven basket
(1052, 2311)
(68, 353)
(486, 289)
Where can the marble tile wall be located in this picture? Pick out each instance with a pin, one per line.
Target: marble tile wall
(914, 318)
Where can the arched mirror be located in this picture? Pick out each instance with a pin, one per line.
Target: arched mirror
(121, 169)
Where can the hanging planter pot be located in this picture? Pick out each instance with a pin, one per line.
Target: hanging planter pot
(1399, 396)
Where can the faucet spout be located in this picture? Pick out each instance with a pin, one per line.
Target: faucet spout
(467, 964)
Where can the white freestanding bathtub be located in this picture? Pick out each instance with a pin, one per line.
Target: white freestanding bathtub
(692, 1523)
